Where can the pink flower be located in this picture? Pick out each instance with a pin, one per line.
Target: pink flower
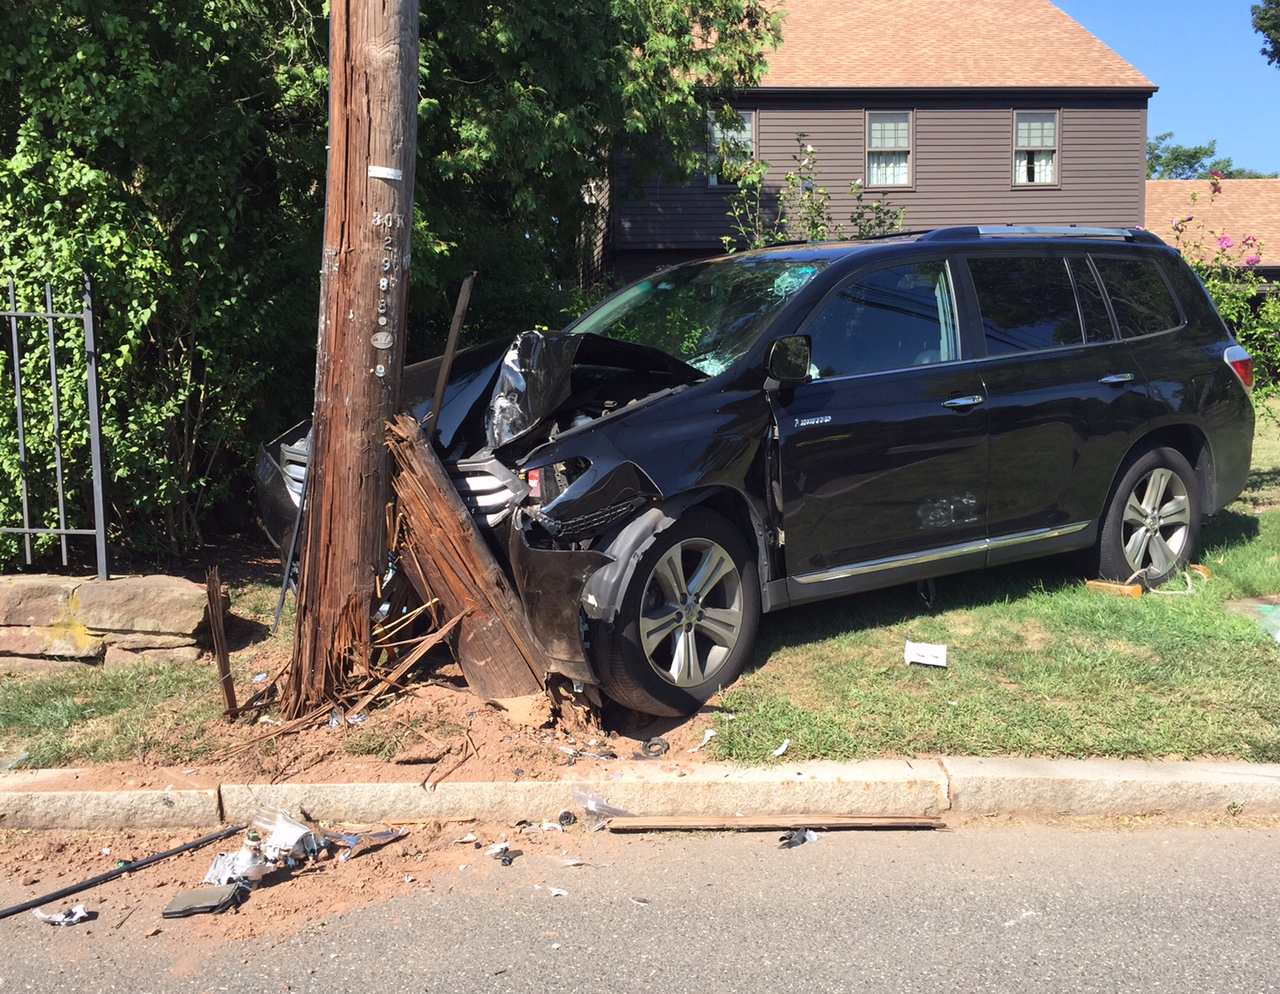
(1225, 243)
(1217, 175)
(1253, 260)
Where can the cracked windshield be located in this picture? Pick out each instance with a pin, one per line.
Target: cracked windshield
(706, 314)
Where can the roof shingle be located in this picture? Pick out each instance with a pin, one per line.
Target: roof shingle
(1244, 208)
(941, 43)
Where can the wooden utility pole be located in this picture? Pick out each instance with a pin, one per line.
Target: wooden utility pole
(364, 274)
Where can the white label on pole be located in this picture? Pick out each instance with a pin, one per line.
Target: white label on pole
(385, 172)
(382, 340)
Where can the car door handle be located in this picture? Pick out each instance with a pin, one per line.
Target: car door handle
(1117, 378)
(961, 402)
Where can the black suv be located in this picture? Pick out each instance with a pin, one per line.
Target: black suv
(775, 427)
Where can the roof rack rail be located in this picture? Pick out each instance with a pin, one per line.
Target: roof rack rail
(964, 232)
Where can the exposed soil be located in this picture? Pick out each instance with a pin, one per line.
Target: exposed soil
(431, 729)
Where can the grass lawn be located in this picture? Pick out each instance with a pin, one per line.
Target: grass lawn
(1038, 664)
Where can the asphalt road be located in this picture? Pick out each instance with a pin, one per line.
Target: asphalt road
(1026, 909)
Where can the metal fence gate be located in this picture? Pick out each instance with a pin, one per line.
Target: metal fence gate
(51, 320)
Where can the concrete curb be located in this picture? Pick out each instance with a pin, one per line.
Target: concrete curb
(954, 786)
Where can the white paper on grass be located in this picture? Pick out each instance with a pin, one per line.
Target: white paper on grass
(926, 654)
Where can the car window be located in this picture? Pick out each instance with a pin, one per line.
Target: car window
(1093, 306)
(890, 318)
(1139, 296)
(707, 314)
(1027, 304)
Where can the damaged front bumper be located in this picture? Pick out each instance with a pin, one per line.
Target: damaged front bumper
(550, 583)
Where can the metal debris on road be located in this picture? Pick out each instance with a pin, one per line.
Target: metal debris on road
(797, 838)
(72, 916)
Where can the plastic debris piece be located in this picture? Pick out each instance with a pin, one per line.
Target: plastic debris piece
(259, 678)
(356, 719)
(469, 837)
(798, 837)
(925, 654)
(786, 744)
(555, 945)
(707, 736)
(642, 901)
(409, 879)
(335, 718)
(106, 850)
(72, 916)
(355, 842)
(508, 856)
(598, 810)
(551, 826)
(557, 892)
(497, 848)
(656, 746)
(284, 837)
(204, 901)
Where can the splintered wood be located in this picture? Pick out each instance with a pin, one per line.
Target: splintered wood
(445, 557)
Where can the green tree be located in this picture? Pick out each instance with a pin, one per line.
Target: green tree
(1266, 21)
(1169, 161)
(516, 125)
(158, 148)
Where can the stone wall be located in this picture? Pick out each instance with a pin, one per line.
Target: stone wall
(56, 620)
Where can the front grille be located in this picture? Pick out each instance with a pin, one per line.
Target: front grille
(488, 489)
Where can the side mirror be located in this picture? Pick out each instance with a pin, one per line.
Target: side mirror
(789, 360)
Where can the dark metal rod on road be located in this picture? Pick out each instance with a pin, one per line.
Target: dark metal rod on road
(102, 878)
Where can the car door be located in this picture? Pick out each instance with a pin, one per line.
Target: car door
(1065, 397)
(882, 454)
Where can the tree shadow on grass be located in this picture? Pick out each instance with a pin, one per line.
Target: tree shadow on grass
(1228, 529)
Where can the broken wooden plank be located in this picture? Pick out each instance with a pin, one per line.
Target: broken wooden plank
(446, 558)
(213, 589)
(761, 823)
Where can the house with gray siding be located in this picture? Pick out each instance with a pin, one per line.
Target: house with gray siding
(957, 111)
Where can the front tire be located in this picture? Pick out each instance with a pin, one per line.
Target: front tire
(1152, 521)
(688, 619)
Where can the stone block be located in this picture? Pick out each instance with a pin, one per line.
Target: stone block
(116, 656)
(134, 641)
(167, 604)
(67, 643)
(35, 599)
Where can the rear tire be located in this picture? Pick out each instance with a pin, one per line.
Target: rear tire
(1152, 520)
(688, 619)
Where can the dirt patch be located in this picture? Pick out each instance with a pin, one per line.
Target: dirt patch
(288, 901)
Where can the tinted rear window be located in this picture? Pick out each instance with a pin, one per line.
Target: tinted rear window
(1139, 296)
(1027, 304)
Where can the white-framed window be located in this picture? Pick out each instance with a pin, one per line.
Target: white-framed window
(1035, 148)
(889, 148)
(729, 147)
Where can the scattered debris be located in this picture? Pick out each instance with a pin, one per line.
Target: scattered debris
(557, 892)
(551, 826)
(707, 736)
(656, 746)
(642, 901)
(120, 870)
(205, 901)
(797, 837)
(786, 744)
(599, 810)
(469, 837)
(925, 654)
(72, 916)
(567, 818)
